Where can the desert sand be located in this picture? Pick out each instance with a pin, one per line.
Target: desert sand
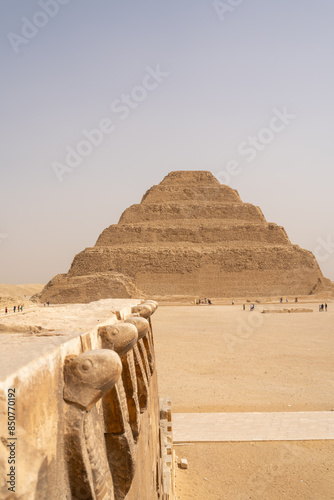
(223, 359)
(291, 470)
(11, 295)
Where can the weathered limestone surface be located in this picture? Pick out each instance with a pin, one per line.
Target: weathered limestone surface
(82, 430)
(189, 236)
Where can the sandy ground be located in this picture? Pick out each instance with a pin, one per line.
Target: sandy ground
(11, 295)
(294, 470)
(224, 359)
(221, 358)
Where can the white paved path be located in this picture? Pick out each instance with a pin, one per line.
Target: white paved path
(278, 426)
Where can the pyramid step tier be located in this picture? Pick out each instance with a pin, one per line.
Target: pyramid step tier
(180, 233)
(218, 272)
(221, 194)
(131, 261)
(191, 185)
(190, 210)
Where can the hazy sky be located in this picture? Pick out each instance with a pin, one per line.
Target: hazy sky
(241, 88)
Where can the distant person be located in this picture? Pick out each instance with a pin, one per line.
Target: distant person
(296, 299)
(281, 300)
(244, 307)
(48, 302)
(252, 307)
(287, 300)
(18, 308)
(6, 310)
(325, 307)
(14, 308)
(209, 302)
(44, 304)
(21, 308)
(232, 302)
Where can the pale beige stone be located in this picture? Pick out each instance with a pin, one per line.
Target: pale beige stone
(87, 378)
(87, 409)
(184, 463)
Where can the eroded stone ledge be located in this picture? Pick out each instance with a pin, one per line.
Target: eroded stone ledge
(87, 409)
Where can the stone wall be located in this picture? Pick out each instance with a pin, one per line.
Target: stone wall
(87, 416)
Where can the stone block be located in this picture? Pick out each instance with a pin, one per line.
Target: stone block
(183, 463)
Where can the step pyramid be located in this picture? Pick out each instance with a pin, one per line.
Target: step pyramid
(189, 236)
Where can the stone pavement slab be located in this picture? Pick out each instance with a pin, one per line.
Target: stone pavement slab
(275, 426)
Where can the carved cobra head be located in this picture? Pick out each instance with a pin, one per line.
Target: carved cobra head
(141, 324)
(151, 303)
(144, 310)
(88, 376)
(121, 337)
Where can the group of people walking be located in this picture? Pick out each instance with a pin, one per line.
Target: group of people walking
(18, 308)
(323, 307)
(204, 301)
